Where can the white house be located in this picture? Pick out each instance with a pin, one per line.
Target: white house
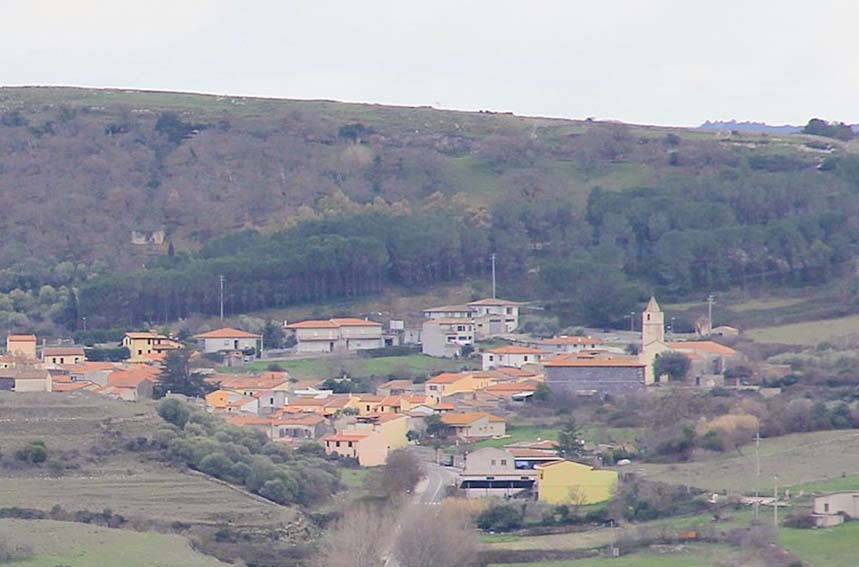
(565, 344)
(445, 337)
(337, 335)
(494, 317)
(515, 356)
(225, 339)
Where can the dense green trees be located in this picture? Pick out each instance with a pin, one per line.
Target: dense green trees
(243, 456)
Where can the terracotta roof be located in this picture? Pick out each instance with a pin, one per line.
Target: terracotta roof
(128, 378)
(704, 346)
(72, 386)
(88, 366)
(381, 417)
(652, 306)
(303, 419)
(21, 338)
(564, 340)
(525, 453)
(247, 420)
(144, 335)
(444, 406)
(467, 418)
(572, 360)
(513, 349)
(448, 309)
(507, 387)
(449, 321)
(491, 301)
(63, 351)
(238, 382)
(226, 333)
(405, 384)
(354, 322)
(446, 378)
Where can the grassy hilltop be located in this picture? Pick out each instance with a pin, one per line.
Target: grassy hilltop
(423, 194)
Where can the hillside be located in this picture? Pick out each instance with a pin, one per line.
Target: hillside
(83, 170)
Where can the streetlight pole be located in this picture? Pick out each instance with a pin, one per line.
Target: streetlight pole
(632, 321)
(221, 282)
(493, 275)
(710, 299)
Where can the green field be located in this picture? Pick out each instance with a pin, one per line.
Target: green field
(696, 555)
(830, 547)
(125, 482)
(590, 433)
(70, 544)
(359, 367)
(796, 459)
(808, 333)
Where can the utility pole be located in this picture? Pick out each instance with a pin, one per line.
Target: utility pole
(493, 275)
(710, 299)
(757, 472)
(775, 501)
(221, 281)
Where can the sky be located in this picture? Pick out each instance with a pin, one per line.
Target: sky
(667, 62)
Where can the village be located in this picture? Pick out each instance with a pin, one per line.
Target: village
(453, 409)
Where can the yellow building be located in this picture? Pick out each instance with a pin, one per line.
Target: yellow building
(142, 345)
(21, 346)
(393, 427)
(367, 447)
(449, 383)
(566, 482)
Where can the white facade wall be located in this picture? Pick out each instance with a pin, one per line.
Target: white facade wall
(219, 345)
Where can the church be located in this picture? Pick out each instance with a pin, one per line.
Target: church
(708, 359)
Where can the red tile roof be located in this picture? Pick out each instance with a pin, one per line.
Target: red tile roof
(710, 347)
(572, 360)
(21, 338)
(513, 349)
(226, 333)
(571, 341)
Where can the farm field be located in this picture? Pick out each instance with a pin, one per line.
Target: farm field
(601, 537)
(359, 367)
(831, 547)
(82, 426)
(697, 555)
(592, 434)
(807, 333)
(796, 459)
(73, 544)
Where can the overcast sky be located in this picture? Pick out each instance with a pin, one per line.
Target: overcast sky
(676, 62)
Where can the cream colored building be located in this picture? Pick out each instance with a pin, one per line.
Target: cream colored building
(512, 356)
(343, 334)
(22, 346)
(144, 344)
(442, 337)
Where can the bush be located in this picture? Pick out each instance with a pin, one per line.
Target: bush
(107, 354)
(501, 518)
(401, 350)
(175, 412)
(800, 521)
(35, 453)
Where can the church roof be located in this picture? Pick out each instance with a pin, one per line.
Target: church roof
(652, 306)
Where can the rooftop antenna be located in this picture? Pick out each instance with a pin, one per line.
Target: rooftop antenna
(221, 282)
(493, 275)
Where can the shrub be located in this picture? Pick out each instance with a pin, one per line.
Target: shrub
(501, 518)
(175, 412)
(34, 453)
(800, 521)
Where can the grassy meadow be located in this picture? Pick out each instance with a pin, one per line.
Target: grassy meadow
(69, 544)
(796, 459)
(359, 367)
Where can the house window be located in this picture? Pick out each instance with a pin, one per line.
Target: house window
(338, 443)
(826, 508)
(526, 358)
(350, 444)
(271, 401)
(493, 462)
(503, 462)
(491, 358)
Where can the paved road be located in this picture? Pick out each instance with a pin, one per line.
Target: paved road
(432, 489)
